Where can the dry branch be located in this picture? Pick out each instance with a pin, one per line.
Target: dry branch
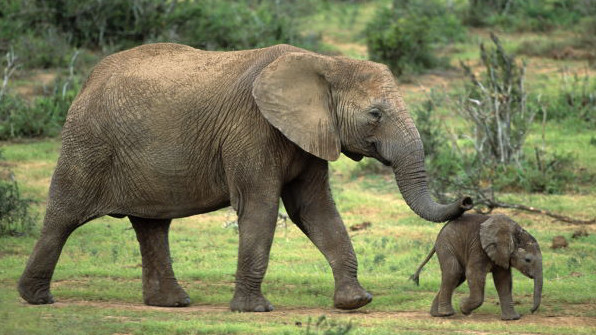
(560, 217)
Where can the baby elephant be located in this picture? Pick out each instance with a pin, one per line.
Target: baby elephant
(471, 246)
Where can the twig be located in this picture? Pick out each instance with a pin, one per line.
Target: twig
(9, 70)
(70, 73)
(544, 212)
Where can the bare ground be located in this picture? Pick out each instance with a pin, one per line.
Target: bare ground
(363, 317)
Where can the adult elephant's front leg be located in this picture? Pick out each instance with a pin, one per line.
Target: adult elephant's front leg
(257, 217)
(310, 206)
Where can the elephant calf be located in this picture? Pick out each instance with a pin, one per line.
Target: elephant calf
(471, 246)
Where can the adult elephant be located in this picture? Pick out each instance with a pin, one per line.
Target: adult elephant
(165, 131)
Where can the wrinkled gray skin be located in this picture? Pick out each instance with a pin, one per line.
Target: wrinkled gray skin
(165, 131)
(473, 245)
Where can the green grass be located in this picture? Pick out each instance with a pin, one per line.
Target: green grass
(97, 280)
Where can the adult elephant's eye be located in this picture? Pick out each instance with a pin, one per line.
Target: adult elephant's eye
(375, 114)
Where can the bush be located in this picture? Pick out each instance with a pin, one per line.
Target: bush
(15, 218)
(53, 27)
(575, 99)
(490, 156)
(222, 25)
(48, 49)
(529, 15)
(429, 125)
(44, 116)
(496, 105)
(45, 33)
(405, 36)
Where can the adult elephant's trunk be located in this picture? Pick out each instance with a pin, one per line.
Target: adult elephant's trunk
(408, 165)
(537, 291)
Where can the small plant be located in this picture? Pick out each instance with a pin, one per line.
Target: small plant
(428, 124)
(528, 15)
(44, 116)
(327, 327)
(15, 217)
(576, 98)
(497, 106)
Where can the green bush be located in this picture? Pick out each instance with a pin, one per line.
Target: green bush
(15, 217)
(575, 99)
(42, 117)
(406, 35)
(223, 25)
(529, 15)
(429, 125)
(44, 32)
(48, 49)
(91, 23)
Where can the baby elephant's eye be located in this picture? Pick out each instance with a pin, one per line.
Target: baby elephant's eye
(375, 113)
(528, 259)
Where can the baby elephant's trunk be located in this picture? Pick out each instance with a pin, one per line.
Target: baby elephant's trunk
(537, 291)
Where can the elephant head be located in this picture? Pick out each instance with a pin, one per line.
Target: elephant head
(327, 105)
(508, 244)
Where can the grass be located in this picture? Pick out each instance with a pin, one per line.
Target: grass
(97, 282)
(98, 288)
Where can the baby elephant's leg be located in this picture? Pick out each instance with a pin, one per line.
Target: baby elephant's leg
(502, 280)
(451, 277)
(476, 282)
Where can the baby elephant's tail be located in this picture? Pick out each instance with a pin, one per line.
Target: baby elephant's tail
(416, 276)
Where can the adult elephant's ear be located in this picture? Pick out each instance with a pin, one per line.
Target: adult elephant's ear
(294, 95)
(496, 238)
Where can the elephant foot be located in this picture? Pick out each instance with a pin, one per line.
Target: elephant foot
(442, 312)
(351, 297)
(166, 296)
(468, 305)
(250, 303)
(510, 316)
(35, 291)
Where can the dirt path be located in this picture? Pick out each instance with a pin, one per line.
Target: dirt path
(362, 316)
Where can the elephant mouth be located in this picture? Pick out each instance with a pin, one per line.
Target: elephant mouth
(358, 157)
(353, 156)
(374, 149)
(384, 161)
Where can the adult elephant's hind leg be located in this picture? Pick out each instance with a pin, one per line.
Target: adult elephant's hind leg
(160, 287)
(34, 284)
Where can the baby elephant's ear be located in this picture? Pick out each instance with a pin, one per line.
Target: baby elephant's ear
(496, 238)
(293, 94)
